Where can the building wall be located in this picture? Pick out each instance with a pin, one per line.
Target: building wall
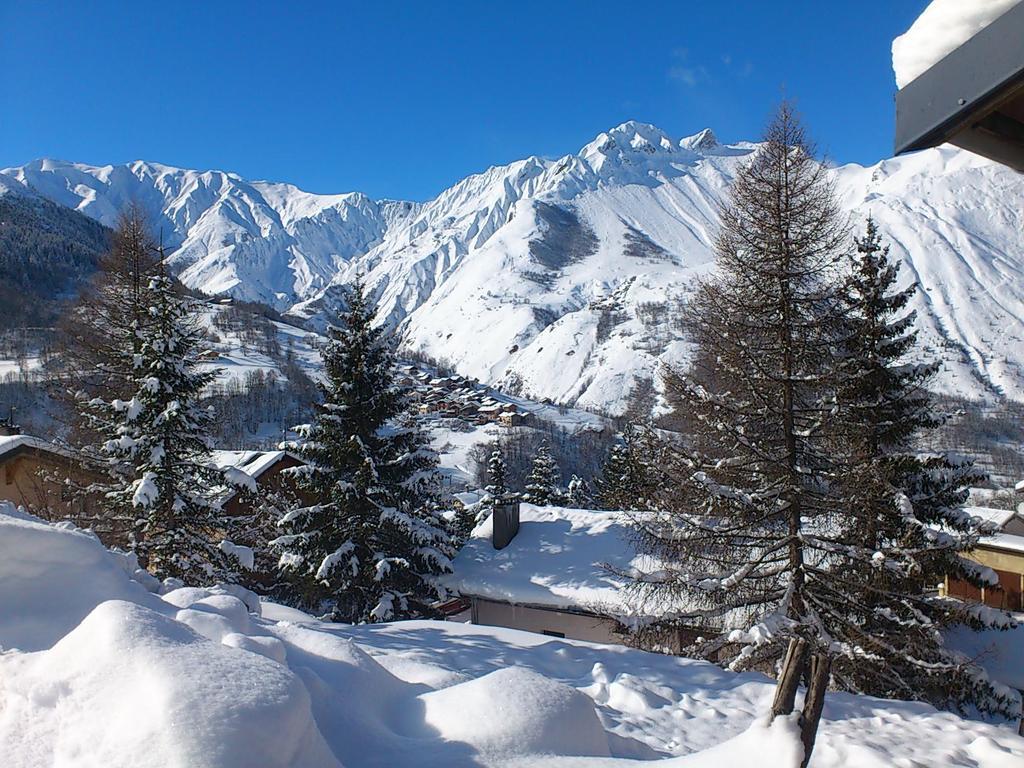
(1009, 567)
(33, 479)
(550, 621)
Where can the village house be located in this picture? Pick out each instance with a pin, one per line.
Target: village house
(545, 570)
(265, 468)
(1003, 552)
(34, 474)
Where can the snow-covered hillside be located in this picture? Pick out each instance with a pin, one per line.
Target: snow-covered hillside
(257, 241)
(558, 278)
(102, 665)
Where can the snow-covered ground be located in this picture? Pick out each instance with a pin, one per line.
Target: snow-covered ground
(98, 670)
(941, 28)
(15, 368)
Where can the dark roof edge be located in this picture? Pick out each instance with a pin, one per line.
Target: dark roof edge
(962, 87)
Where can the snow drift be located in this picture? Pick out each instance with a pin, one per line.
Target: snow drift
(941, 28)
(512, 711)
(129, 686)
(52, 576)
(211, 678)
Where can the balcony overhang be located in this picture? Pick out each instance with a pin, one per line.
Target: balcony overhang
(973, 97)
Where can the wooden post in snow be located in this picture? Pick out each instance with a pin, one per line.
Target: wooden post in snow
(821, 664)
(789, 678)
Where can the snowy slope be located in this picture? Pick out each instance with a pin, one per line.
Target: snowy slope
(96, 670)
(257, 241)
(557, 278)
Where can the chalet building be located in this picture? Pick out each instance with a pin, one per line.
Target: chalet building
(1003, 552)
(973, 97)
(33, 473)
(264, 467)
(542, 569)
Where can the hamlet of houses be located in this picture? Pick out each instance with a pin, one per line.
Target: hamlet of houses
(455, 396)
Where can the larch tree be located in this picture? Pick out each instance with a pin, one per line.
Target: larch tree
(735, 527)
(904, 530)
(97, 340)
(762, 543)
(103, 321)
(371, 547)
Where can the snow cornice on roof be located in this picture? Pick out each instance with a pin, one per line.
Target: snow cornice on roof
(971, 96)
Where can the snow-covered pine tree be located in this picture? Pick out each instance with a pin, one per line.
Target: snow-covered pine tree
(497, 491)
(631, 474)
(497, 483)
(542, 483)
(577, 494)
(612, 484)
(904, 529)
(735, 527)
(371, 546)
(156, 448)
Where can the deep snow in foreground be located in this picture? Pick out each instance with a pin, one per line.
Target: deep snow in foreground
(99, 671)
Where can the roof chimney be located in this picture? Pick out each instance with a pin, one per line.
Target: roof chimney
(504, 524)
(7, 426)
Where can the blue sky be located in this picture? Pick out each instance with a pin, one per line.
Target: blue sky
(401, 99)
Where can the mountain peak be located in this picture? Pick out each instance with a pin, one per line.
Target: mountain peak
(700, 141)
(630, 136)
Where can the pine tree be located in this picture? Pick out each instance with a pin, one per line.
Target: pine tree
(577, 494)
(735, 527)
(496, 492)
(904, 530)
(372, 546)
(630, 476)
(542, 482)
(155, 446)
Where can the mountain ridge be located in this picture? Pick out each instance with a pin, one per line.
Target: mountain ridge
(558, 277)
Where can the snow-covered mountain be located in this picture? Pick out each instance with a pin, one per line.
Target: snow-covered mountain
(558, 277)
(258, 241)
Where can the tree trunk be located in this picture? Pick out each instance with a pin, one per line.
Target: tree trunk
(789, 678)
(813, 703)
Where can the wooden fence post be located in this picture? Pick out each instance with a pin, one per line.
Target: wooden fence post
(821, 664)
(789, 677)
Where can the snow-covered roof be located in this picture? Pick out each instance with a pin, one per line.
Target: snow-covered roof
(253, 463)
(1006, 541)
(991, 515)
(11, 443)
(557, 560)
(941, 28)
